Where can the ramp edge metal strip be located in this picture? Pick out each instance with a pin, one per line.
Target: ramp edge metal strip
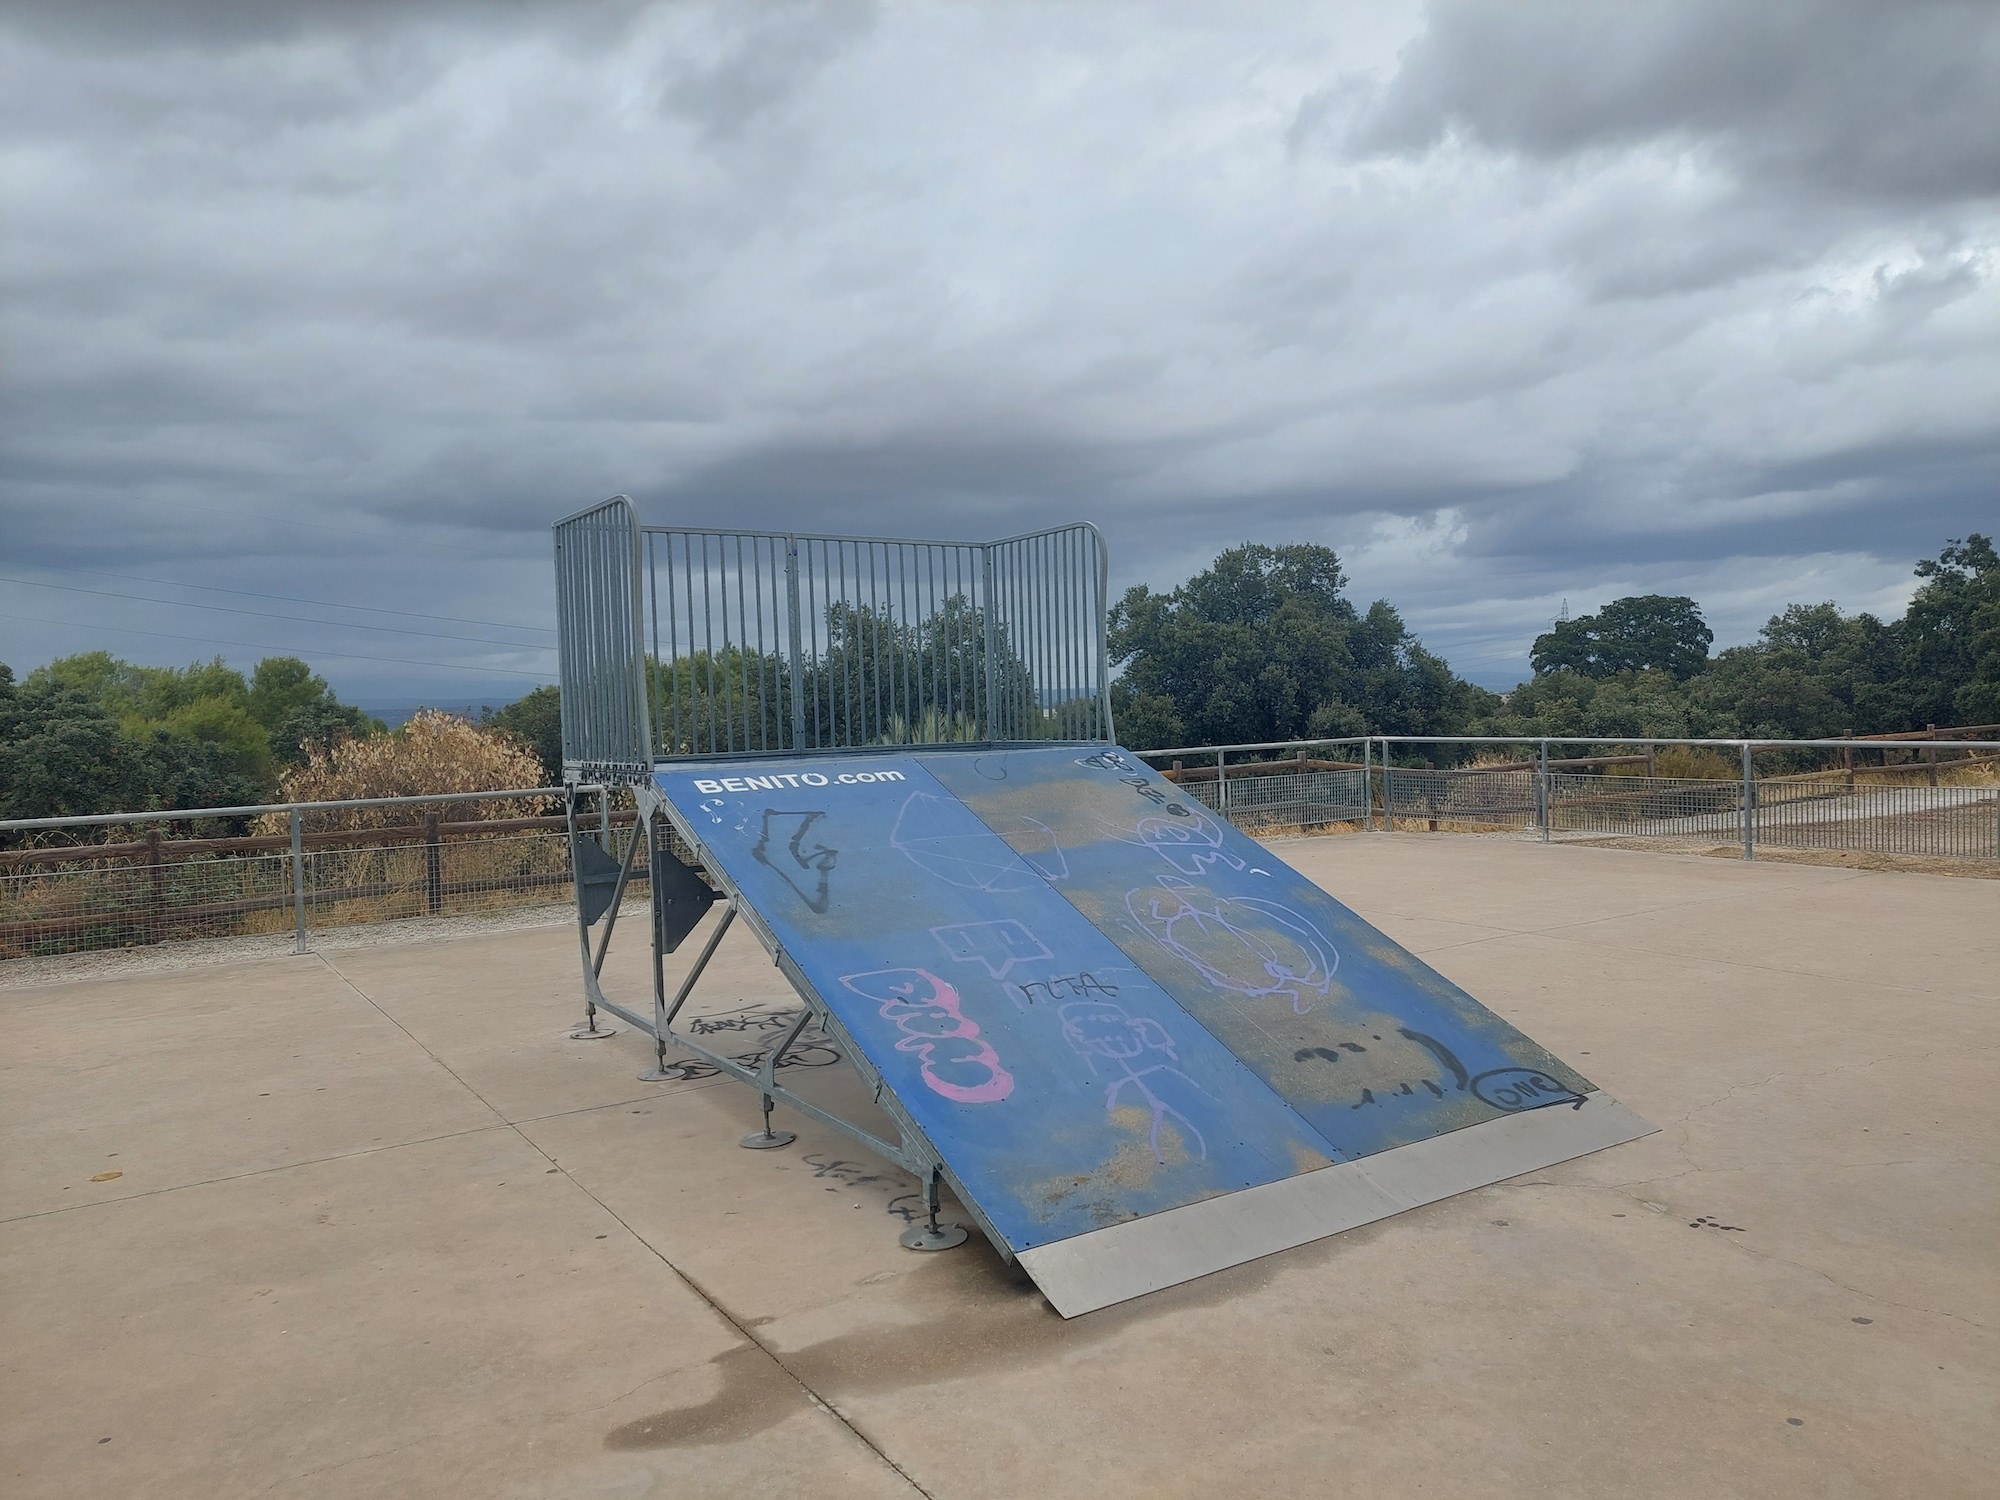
(1106, 1266)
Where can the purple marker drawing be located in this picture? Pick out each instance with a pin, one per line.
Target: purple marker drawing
(997, 946)
(1101, 1031)
(1239, 943)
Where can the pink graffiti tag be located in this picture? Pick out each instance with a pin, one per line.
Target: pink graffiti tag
(926, 1010)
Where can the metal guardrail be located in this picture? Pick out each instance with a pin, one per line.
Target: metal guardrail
(68, 892)
(58, 894)
(711, 642)
(1850, 806)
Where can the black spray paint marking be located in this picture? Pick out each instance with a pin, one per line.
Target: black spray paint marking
(905, 1201)
(1442, 1053)
(1516, 1089)
(1065, 987)
(806, 863)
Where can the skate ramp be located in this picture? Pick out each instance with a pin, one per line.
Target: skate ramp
(1143, 1047)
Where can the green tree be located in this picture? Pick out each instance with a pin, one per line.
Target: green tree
(61, 752)
(298, 709)
(1633, 634)
(536, 719)
(1953, 634)
(1265, 645)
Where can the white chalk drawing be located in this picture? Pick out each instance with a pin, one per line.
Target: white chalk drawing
(942, 845)
(1190, 844)
(1242, 944)
(996, 946)
(1104, 1033)
(1036, 842)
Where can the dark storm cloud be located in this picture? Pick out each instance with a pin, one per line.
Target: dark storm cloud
(1851, 96)
(1511, 303)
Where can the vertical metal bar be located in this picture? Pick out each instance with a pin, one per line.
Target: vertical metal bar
(1749, 813)
(298, 884)
(744, 648)
(1222, 783)
(1367, 784)
(658, 709)
(902, 640)
(992, 728)
(1542, 790)
(795, 639)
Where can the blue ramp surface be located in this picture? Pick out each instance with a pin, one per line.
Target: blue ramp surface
(1370, 1045)
(1109, 1012)
(1064, 1088)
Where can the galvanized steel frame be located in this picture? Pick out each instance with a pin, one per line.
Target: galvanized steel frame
(680, 642)
(913, 1151)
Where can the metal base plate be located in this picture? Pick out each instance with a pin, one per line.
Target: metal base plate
(1089, 1271)
(587, 1034)
(771, 1142)
(669, 1074)
(923, 1237)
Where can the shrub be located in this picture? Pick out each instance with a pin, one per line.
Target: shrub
(435, 752)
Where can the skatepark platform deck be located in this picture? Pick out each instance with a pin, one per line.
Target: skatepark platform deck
(366, 1223)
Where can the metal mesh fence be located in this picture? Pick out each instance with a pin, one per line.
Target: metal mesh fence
(74, 906)
(160, 891)
(1825, 812)
(1308, 799)
(1472, 801)
(1645, 806)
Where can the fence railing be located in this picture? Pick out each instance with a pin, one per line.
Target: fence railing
(709, 643)
(706, 642)
(76, 884)
(126, 879)
(1933, 793)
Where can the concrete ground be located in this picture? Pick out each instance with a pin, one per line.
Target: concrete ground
(366, 1224)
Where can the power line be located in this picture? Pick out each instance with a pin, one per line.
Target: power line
(408, 614)
(205, 640)
(265, 614)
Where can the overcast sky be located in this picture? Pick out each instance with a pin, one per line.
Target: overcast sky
(1510, 304)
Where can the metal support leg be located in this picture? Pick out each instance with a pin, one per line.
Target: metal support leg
(932, 1235)
(663, 1013)
(768, 1139)
(589, 1031)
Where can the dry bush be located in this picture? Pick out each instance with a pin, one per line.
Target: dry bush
(1687, 763)
(435, 752)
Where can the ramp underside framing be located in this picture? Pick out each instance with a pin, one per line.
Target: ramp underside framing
(1136, 1047)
